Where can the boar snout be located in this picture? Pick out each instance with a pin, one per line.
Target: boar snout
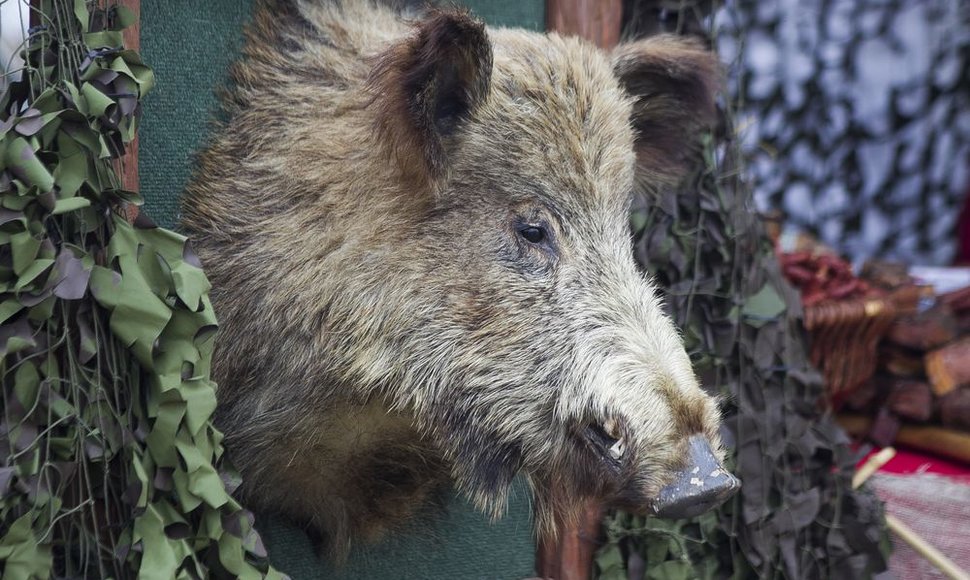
(702, 485)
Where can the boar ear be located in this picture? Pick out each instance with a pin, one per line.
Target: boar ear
(425, 86)
(673, 82)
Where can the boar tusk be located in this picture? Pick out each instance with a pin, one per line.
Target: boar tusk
(616, 450)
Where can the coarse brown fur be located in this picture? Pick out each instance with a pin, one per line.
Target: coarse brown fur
(387, 324)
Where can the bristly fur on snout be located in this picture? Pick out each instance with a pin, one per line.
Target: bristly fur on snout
(416, 230)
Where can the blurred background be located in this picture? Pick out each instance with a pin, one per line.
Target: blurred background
(13, 23)
(854, 114)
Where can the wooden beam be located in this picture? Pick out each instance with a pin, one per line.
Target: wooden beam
(598, 21)
(127, 166)
(571, 557)
(935, 439)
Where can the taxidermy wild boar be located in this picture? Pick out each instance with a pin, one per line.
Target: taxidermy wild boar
(417, 234)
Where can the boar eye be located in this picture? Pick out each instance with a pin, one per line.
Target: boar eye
(533, 234)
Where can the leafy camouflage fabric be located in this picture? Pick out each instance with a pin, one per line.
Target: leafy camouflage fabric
(109, 462)
(796, 515)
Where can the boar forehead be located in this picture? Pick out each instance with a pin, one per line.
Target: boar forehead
(555, 127)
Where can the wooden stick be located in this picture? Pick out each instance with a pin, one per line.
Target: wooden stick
(925, 549)
(872, 465)
(922, 547)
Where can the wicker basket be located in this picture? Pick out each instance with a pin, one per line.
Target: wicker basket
(844, 339)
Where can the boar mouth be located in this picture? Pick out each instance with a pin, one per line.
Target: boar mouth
(607, 441)
(700, 485)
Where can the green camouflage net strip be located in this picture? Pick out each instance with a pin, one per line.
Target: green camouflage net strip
(796, 515)
(109, 462)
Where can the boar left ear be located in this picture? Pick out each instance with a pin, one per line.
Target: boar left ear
(673, 81)
(426, 85)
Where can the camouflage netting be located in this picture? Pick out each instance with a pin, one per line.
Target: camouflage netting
(857, 119)
(796, 515)
(109, 463)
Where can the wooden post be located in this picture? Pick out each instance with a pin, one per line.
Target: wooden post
(571, 558)
(598, 21)
(127, 166)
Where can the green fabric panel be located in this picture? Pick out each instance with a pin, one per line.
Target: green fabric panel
(529, 14)
(190, 45)
(460, 544)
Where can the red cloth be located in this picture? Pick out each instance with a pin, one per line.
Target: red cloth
(908, 462)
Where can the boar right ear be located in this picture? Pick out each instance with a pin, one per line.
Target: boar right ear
(425, 86)
(673, 81)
